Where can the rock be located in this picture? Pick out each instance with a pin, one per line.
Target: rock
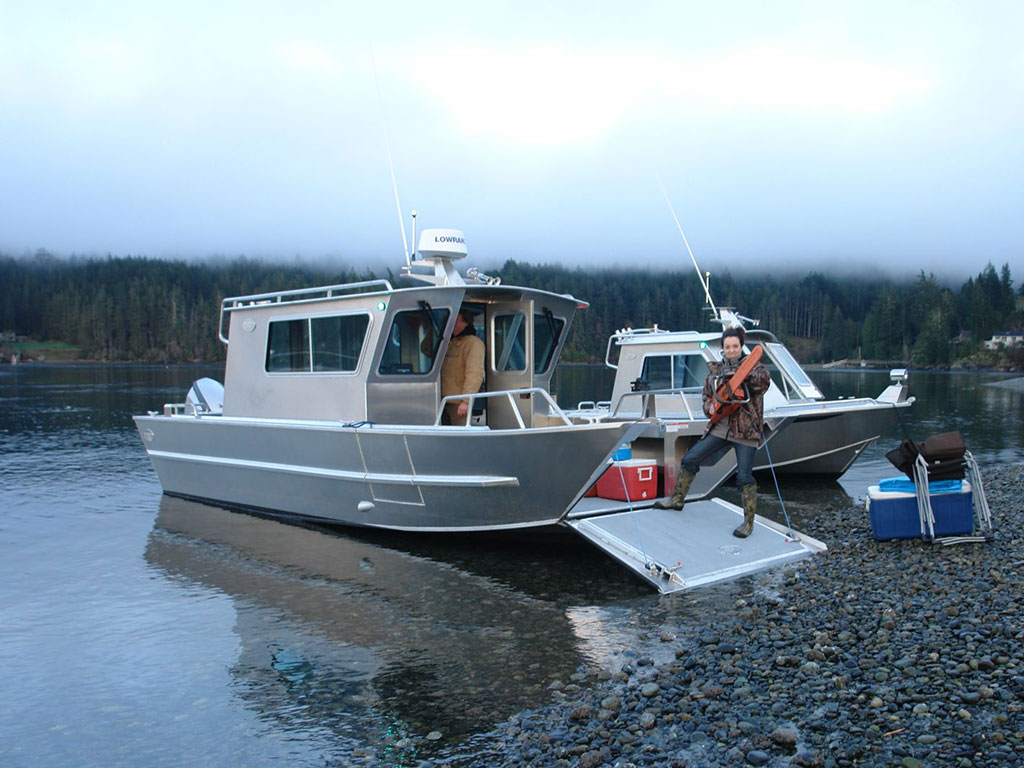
(649, 690)
(582, 713)
(784, 737)
(757, 757)
(613, 703)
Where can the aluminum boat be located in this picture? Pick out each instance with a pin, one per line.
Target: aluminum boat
(661, 374)
(331, 411)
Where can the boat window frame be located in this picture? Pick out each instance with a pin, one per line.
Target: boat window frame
(501, 352)
(310, 350)
(436, 325)
(673, 367)
(791, 370)
(544, 318)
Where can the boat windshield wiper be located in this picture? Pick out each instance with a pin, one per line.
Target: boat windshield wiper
(556, 332)
(429, 312)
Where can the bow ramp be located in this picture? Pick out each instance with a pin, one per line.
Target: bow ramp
(694, 547)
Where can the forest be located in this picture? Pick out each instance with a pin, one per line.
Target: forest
(154, 310)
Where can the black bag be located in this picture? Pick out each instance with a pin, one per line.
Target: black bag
(944, 454)
(903, 457)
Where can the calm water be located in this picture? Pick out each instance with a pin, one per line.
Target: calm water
(142, 630)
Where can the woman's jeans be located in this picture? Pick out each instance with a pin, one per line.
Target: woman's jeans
(711, 448)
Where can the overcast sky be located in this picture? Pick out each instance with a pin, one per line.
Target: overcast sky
(809, 135)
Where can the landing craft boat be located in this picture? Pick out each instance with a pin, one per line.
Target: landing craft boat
(661, 374)
(331, 411)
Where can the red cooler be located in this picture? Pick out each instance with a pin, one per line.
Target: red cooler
(637, 477)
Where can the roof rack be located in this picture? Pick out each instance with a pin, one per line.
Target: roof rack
(301, 295)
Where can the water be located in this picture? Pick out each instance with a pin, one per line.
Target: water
(143, 630)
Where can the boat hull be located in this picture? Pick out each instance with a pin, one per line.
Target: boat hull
(402, 478)
(824, 445)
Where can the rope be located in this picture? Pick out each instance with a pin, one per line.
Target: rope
(636, 528)
(771, 465)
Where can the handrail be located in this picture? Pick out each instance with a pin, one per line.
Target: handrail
(681, 392)
(320, 293)
(299, 292)
(629, 333)
(472, 397)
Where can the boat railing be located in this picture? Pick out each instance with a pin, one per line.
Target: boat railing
(645, 404)
(511, 395)
(185, 409)
(321, 293)
(627, 334)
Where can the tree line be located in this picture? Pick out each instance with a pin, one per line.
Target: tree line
(155, 310)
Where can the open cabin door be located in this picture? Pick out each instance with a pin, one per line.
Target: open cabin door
(509, 362)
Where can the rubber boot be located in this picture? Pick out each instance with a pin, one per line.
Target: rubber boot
(679, 494)
(749, 493)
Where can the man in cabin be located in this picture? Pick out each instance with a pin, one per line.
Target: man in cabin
(463, 368)
(741, 431)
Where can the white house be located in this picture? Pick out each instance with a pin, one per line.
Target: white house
(1002, 339)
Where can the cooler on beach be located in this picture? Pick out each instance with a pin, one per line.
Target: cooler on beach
(636, 477)
(895, 515)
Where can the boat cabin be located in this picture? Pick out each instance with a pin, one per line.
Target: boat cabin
(674, 365)
(371, 352)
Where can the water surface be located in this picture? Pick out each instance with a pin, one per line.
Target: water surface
(139, 629)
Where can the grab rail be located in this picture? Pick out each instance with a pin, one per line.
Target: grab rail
(320, 293)
(472, 397)
(682, 396)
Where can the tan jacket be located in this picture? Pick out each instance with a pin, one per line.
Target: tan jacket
(463, 367)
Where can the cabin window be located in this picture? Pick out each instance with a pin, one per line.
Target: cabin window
(288, 346)
(547, 331)
(338, 341)
(411, 344)
(689, 371)
(675, 371)
(316, 344)
(658, 372)
(510, 342)
(786, 362)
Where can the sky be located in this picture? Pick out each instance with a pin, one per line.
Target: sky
(851, 137)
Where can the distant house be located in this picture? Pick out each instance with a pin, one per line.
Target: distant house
(1002, 339)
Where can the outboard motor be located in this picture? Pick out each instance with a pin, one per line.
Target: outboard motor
(206, 396)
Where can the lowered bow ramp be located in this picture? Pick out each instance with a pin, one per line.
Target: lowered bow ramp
(680, 550)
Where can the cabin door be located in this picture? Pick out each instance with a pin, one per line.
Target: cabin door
(509, 362)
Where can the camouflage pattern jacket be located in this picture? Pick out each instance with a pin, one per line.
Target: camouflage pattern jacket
(746, 422)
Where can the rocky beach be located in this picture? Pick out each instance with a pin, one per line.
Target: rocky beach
(894, 653)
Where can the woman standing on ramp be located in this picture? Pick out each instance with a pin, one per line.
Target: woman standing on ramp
(735, 425)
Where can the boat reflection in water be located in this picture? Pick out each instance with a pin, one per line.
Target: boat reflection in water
(374, 643)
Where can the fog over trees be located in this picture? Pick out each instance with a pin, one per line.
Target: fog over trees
(155, 310)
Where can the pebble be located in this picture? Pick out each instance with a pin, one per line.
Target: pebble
(896, 653)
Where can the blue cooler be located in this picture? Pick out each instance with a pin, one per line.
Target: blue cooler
(894, 514)
(623, 453)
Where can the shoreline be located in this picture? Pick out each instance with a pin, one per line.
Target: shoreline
(896, 653)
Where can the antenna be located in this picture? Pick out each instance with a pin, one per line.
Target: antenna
(391, 163)
(705, 282)
(409, 263)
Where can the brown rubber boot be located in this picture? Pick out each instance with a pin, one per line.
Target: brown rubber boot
(679, 494)
(745, 528)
